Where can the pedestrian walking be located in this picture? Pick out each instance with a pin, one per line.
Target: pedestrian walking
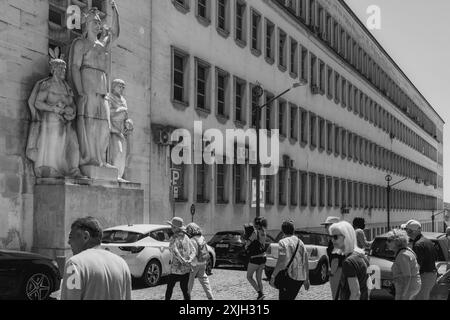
(201, 257)
(292, 257)
(335, 257)
(183, 253)
(256, 249)
(359, 224)
(426, 257)
(93, 273)
(405, 270)
(353, 282)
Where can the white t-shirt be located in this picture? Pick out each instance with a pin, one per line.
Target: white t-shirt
(287, 246)
(96, 274)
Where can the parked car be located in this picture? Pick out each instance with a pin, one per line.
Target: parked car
(28, 276)
(230, 247)
(145, 248)
(316, 244)
(382, 257)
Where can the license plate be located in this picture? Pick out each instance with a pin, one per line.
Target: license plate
(222, 246)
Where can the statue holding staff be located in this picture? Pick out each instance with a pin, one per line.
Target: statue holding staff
(89, 63)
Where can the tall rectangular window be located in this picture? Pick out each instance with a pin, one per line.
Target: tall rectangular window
(282, 121)
(350, 96)
(337, 140)
(313, 130)
(330, 135)
(303, 189)
(322, 191)
(221, 172)
(337, 194)
(239, 183)
(343, 193)
(222, 81)
(312, 12)
(293, 62)
(282, 186)
(329, 191)
(270, 41)
(322, 80)
(202, 182)
(180, 76)
(336, 36)
(330, 83)
(255, 106)
(202, 83)
(269, 112)
(293, 122)
(304, 64)
(282, 51)
(337, 87)
(293, 196)
(344, 92)
(241, 22)
(239, 99)
(256, 32)
(313, 73)
(322, 134)
(223, 17)
(344, 143)
(204, 10)
(312, 190)
(269, 190)
(304, 126)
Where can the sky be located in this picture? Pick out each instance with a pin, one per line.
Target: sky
(416, 34)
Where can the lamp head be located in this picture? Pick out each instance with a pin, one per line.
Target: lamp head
(299, 84)
(388, 178)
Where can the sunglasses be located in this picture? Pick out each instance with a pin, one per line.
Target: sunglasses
(336, 236)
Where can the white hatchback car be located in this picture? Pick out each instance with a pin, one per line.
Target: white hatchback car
(316, 244)
(145, 248)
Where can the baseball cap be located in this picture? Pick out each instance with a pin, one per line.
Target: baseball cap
(330, 220)
(413, 225)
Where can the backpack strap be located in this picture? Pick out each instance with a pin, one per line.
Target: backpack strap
(293, 255)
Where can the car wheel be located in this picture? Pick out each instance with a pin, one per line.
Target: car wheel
(37, 286)
(321, 274)
(209, 265)
(152, 273)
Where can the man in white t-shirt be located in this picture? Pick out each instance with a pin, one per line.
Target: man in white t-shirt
(298, 270)
(92, 273)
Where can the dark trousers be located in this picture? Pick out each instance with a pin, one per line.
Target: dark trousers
(183, 279)
(290, 291)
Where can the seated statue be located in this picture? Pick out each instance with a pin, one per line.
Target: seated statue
(52, 141)
(121, 127)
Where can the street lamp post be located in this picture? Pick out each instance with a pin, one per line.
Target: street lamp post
(388, 198)
(258, 91)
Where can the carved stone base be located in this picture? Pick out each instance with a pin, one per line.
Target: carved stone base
(59, 202)
(100, 173)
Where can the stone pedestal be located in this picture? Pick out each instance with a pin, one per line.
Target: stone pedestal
(100, 173)
(57, 203)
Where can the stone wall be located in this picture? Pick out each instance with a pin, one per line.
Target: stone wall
(23, 61)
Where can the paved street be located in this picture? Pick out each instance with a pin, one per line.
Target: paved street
(227, 284)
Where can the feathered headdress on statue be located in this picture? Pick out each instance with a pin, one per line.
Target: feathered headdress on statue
(56, 57)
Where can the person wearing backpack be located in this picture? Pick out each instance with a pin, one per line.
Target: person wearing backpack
(256, 249)
(200, 260)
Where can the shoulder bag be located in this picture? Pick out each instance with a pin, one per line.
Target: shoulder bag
(283, 277)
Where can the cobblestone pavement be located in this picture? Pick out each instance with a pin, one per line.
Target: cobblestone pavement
(227, 284)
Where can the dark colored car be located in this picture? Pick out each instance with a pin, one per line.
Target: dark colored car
(229, 247)
(382, 257)
(28, 276)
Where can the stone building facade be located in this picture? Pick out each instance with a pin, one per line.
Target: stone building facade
(356, 120)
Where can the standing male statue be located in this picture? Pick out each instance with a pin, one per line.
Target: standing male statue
(89, 71)
(52, 142)
(121, 127)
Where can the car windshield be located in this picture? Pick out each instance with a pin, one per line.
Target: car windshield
(380, 249)
(119, 236)
(227, 235)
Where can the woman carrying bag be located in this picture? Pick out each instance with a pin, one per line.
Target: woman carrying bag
(292, 270)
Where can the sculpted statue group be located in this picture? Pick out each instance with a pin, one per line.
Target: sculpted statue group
(77, 124)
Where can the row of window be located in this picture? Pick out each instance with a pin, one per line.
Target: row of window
(312, 14)
(291, 120)
(323, 79)
(300, 188)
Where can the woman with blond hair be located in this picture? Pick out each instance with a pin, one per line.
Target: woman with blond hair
(405, 270)
(200, 259)
(353, 283)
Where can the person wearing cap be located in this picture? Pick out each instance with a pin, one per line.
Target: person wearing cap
(334, 257)
(93, 273)
(183, 253)
(426, 257)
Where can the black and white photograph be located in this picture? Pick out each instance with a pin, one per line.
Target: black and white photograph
(225, 154)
